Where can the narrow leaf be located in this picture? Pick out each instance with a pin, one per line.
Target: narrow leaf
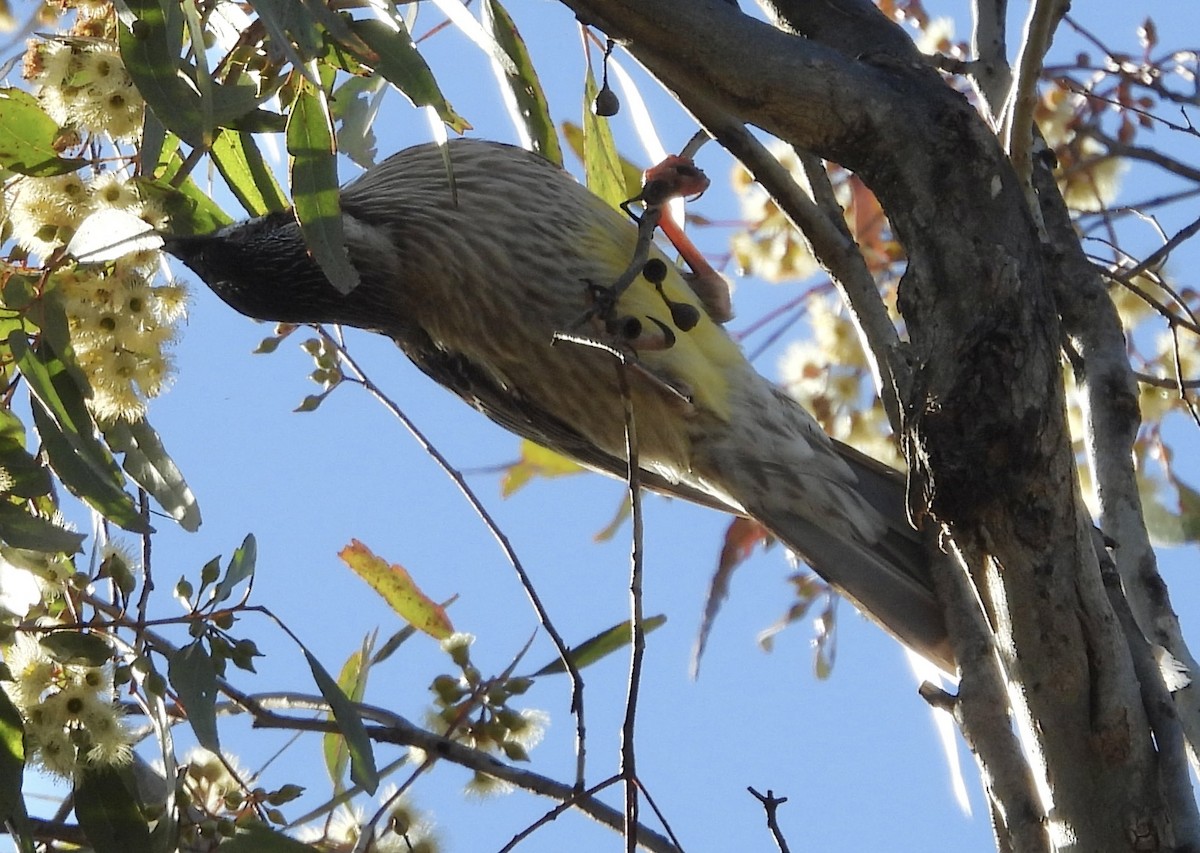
(315, 186)
(27, 137)
(194, 678)
(397, 588)
(527, 101)
(241, 164)
(108, 813)
(536, 461)
(353, 681)
(395, 56)
(146, 461)
(241, 566)
(601, 164)
(73, 647)
(602, 645)
(741, 538)
(20, 529)
(350, 724)
(12, 759)
(150, 48)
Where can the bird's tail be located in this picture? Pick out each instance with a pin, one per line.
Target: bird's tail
(889, 577)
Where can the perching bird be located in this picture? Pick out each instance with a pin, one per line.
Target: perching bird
(475, 282)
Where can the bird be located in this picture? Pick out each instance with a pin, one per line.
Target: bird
(494, 276)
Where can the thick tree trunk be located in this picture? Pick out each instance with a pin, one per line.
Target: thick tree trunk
(986, 439)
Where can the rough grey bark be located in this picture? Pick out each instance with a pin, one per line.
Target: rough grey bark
(985, 416)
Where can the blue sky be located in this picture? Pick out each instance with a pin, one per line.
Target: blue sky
(856, 754)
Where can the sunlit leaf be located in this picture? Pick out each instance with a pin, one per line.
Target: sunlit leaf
(110, 233)
(68, 436)
(27, 477)
(146, 461)
(527, 101)
(362, 755)
(241, 567)
(397, 588)
(353, 681)
(27, 137)
(395, 56)
(630, 173)
(315, 186)
(601, 163)
(241, 164)
(536, 461)
(194, 679)
(12, 759)
(602, 645)
(151, 48)
(108, 812)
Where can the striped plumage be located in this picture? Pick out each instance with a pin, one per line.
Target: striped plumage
(473, 285)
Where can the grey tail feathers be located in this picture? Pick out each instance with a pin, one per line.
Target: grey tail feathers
(890, 579)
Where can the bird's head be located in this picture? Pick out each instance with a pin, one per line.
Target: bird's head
(263, 269)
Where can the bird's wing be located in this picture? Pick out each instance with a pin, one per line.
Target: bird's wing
(506, 407)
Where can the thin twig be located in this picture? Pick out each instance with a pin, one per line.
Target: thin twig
(771, 804)
(494, 528)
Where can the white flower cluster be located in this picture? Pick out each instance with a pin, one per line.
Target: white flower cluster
(70, 718)
(83, 85)
(122, 325)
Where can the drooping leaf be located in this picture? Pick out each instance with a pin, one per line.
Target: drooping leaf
(68, 434)
(241, 164)
(601, 163)
(741, 538)
(354, 105)
(602, 645)
(108, 812)
(315, 186)
(353, 681)
(12, 759)
(395, 56)
(27, 477)
(27, 137)
(397, 588)
(73, 647)
(536, 461)
(150, 48)
(241, 567)
(528, 104)
(21, 529)
(350, 724)
(630, 173)
(146, 461)
(194, 677)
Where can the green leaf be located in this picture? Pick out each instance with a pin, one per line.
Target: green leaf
(12, 759)
(146, 461)
(194, 678)
(241, 164)
(353, 681)
(529, 101)
(150, 47)
(21, 529)
(362, 756)
(108, 812)
(241, 566)
(27, 137)
(602, 645)
(601, 164)
(72, 647)
(315, 186)
(259, 838)
(28, 478)
(396, 58)
(189, 209)
(630, 172)
(68, 435)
